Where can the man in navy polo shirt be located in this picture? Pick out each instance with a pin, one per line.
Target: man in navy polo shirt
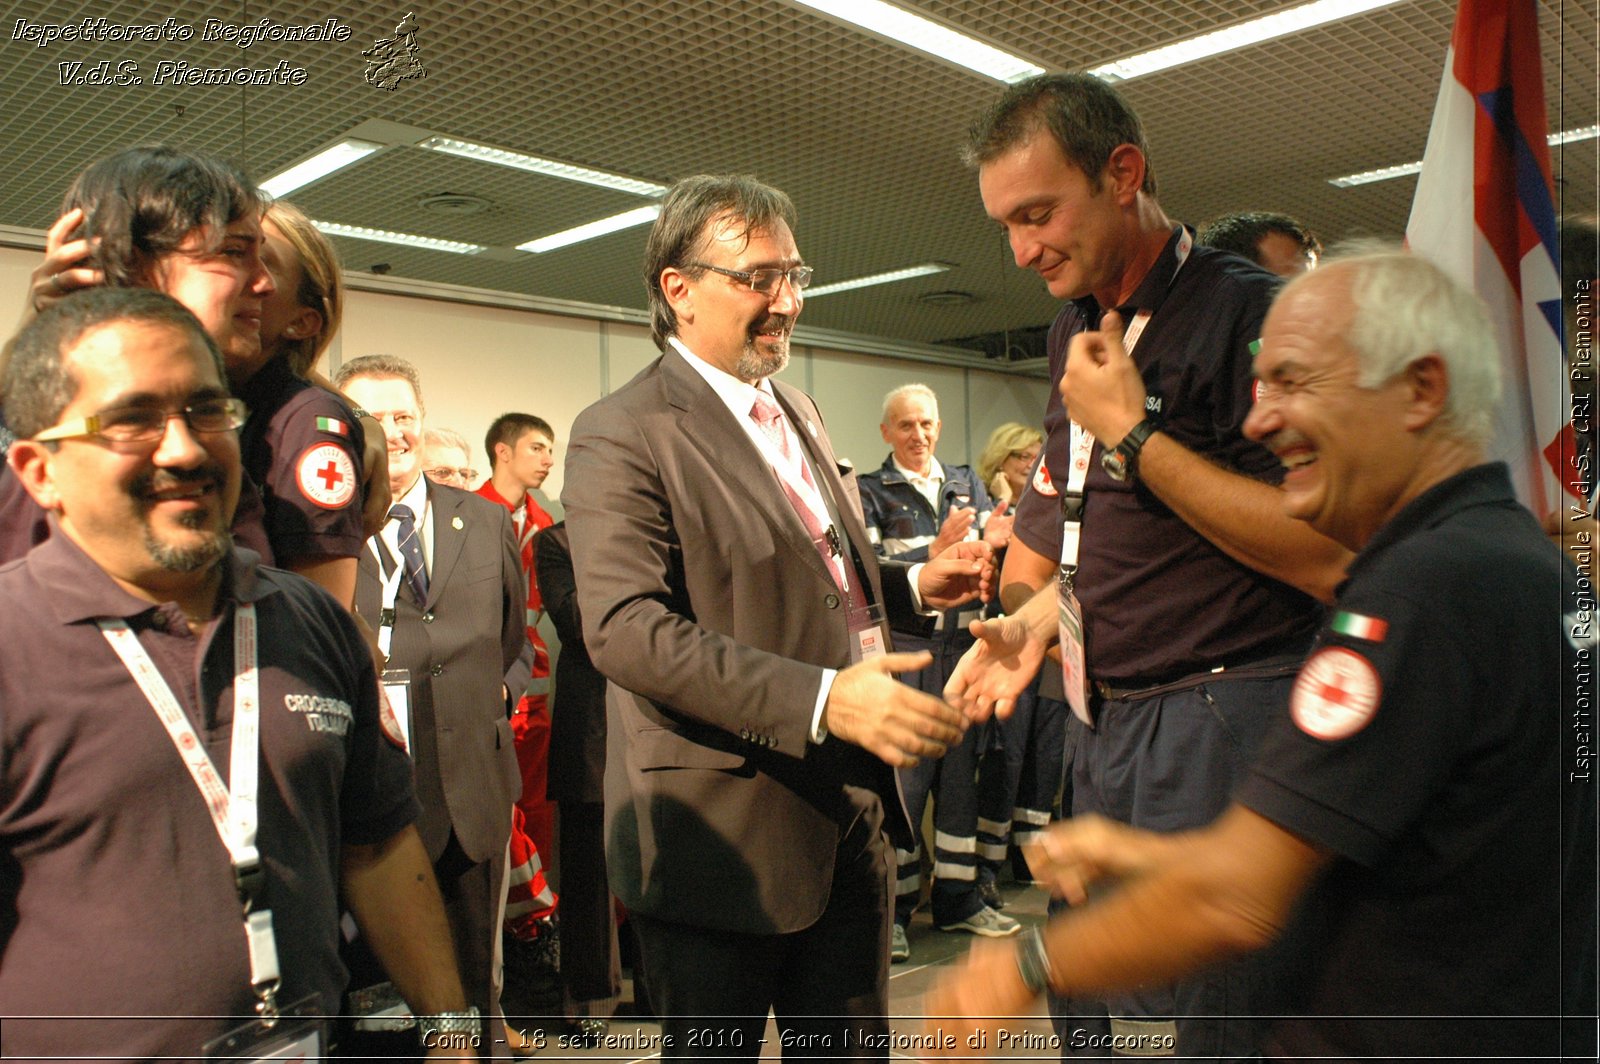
(1194, 592)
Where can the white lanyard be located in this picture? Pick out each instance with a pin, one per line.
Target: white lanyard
(233, 808)
(391, 592)
(1083, 442)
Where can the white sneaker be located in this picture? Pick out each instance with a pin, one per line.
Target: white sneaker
(985, 922)
(899, 946)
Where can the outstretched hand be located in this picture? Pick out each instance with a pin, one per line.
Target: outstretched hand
(998, 668)
(896, 723)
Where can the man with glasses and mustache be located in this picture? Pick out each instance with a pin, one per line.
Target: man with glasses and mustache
(731, 597)
(218, 739)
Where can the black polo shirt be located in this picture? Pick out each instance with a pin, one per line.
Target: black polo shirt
(302, 445)
(117, 898)
(1160, 601)
(1428, 747)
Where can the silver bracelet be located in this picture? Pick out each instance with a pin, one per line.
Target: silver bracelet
(1033, 963)
(456, 1022)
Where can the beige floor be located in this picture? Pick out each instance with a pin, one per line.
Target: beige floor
(1028, 1038)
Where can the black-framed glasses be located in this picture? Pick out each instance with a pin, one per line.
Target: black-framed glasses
(146, 424)
(765, 280)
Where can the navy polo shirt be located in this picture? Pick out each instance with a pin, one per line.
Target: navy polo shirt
(1160, 601)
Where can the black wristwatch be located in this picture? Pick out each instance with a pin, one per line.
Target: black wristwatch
(1122, 461)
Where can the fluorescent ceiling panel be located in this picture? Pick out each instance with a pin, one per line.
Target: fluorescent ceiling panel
(536, 165)
(361, 232)
(320, 165)
(900, 25)
(590, 230)
(1367, 177)
(1278, 24)
(878, 278)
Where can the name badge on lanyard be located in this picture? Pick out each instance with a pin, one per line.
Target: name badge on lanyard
(235, 815)
(1069, 612)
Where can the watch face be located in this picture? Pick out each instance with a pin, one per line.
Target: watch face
(1115, 464)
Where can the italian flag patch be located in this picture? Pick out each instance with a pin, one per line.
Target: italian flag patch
(333, 425)
(1359, 626)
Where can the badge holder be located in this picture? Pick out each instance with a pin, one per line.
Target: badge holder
(1074, 671)
(396, 684)
(298, 1032)
(867, 639)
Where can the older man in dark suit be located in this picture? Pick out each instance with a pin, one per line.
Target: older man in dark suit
(727, 585)
(444, 588)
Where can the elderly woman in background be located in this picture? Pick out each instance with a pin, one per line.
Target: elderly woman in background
(1007, 459)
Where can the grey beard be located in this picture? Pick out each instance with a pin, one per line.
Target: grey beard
(754, 366)
(208, 552)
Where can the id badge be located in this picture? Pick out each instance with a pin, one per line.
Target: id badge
(396, 685)
(867, 639)
(299, 1033)
(1074, 673)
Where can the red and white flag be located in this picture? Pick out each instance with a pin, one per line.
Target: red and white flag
(1485, 212)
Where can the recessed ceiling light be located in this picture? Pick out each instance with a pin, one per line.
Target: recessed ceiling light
(536, 165)
(878, 278)
(941, 42)
(320, 165)
(361, 232)
(1367, 177)
(591, 230)
(1255, 31)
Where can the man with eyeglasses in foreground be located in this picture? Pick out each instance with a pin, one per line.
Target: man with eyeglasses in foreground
(217, 740)
(731, 597)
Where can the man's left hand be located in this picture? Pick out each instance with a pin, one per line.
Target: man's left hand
(1101, 388)
(958, 575)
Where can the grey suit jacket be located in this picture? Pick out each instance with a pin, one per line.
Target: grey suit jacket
(460, 646)
(706, 605)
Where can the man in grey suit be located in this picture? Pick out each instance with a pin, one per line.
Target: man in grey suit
(444, 589)
(726, 585)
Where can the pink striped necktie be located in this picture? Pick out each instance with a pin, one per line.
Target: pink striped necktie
(766, 413)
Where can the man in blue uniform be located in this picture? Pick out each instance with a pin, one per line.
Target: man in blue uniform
(1423, 776)
(915, 507)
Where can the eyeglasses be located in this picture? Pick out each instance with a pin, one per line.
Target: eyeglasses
(1026, 456)
(450, 473)
(145, 424)
(765, 281)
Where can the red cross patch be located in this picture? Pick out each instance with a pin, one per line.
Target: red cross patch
(1041, 481)
(326, 475)
(1336, 694)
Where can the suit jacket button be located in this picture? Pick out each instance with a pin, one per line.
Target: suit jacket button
(832, 602)
(427, 618)
(437, 670)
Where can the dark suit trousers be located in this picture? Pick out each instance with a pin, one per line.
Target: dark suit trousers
(826, 985)
(590, 964)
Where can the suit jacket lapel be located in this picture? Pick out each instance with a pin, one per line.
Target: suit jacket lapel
(707, 423)
(819, 450)
(448, 540)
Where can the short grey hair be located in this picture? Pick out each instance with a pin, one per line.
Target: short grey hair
(905, 391)
(1403, 308)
